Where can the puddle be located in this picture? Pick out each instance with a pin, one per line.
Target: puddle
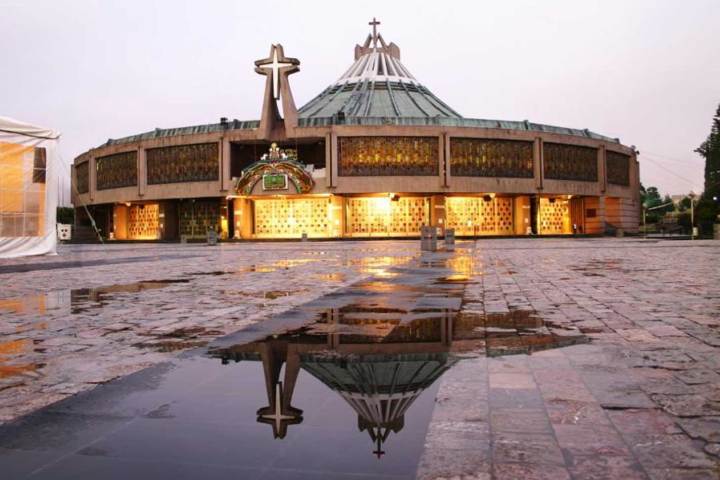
(345, 383)
(379, 345)
(82, 299)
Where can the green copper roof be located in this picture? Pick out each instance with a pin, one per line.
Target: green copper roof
(369, 98)
(176, 132)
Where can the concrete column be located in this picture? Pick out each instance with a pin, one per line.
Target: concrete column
(92, 180)
(538, 163)
(602, 168)
(226, 181)
(328, 160)
(141, 171)
(602, 213)
(333, 160)
(445, 160)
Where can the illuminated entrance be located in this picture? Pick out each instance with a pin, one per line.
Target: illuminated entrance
(137, 222)
(291, 217)
(487, 215)
(554, 218)
(389, 215)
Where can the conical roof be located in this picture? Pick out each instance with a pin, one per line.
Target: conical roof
(377, 84)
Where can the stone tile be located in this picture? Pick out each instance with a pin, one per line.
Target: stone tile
(529, 471)
(590, 441)
(511, 381)
(571, 412)
(606, 468)
(705, 428)
(643, 422)
(670, 451)
(519, 420)
(682, 473)
(526, 448)
(442, 464)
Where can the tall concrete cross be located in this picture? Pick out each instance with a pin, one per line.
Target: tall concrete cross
(273, 66)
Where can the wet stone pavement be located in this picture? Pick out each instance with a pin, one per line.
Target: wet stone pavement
(588, 358)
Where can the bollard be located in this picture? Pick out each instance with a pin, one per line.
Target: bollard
(428, 239)
(450, 239)
(212, 237)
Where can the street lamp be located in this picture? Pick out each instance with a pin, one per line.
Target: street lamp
(692, 214)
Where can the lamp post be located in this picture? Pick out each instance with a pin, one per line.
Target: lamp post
(692, 215)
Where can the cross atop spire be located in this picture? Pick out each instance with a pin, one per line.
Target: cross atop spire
(374, 24)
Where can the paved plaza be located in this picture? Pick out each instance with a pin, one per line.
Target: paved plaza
(571, 358)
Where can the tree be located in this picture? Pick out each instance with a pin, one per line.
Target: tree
(684, 204)
(710, 149)
(652, 197)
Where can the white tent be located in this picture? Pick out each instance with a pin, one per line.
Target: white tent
(28, 189)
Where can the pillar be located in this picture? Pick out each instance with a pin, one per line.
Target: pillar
(141, 171)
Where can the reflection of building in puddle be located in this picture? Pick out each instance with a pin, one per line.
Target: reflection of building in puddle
(77, 300)
(14, 355)
(378, 376)
(83, 298)
(379, 266)
(379, 360)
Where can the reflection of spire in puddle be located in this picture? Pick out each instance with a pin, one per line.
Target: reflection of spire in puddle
(381, 387)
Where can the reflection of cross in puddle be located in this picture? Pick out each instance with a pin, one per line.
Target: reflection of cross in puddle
(379, 378)
(279, 413)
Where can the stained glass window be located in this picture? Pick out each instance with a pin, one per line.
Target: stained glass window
(387, 156)
(618, 168)
(183, 163)
(479, 157)
(82, 175)
(118, 170)
(570, 162)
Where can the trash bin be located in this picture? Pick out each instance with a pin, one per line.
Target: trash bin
(716, 231)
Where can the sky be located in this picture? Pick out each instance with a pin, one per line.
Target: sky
(646, 71)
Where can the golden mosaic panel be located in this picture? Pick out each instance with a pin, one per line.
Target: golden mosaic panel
(479, 215)
(618, 168)
(387, 156)
(554, 217)
(291, 217)
(118, 170)
(183, 163)
(570, 162)
(144, 222)
(479, 157)
(381, 216)
(196, 217)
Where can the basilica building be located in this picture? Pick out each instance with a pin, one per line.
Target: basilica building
(375, 154)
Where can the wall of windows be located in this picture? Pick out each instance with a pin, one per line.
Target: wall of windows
(118, 170)
(82, 175)
(184, 163)
(618, 168)
(388, 156)
(479, 157)
(570, 162)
